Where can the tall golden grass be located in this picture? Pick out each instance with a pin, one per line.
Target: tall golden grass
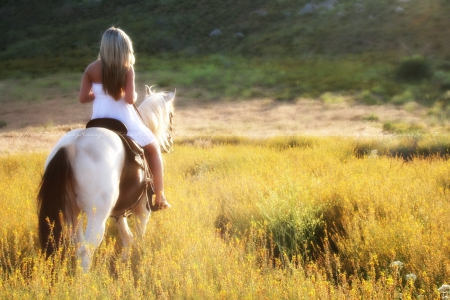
(305, 218)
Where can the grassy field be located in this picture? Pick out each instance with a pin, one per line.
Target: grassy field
(298, 218)
(266, 218)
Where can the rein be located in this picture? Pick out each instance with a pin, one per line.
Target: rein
(139, 114)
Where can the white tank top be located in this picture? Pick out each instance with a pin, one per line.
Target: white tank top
(104, 106)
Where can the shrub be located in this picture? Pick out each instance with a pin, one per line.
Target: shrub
(297, 232)
(400, 128)
(368, 98)
(372, 118)
(332, 98)
(405, 97)
(414, 68)
(411, 106)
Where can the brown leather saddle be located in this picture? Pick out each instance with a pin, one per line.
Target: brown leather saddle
(136, 183)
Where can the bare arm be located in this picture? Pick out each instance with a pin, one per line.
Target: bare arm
(130, 93)
(86, 94)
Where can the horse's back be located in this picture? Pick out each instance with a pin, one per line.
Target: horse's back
(67, 141)
(97, 158)
(87, 140)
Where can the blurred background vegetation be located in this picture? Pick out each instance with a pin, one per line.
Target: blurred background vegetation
(376, 51)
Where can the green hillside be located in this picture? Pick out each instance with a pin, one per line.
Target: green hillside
(279, 48)
(65, 28)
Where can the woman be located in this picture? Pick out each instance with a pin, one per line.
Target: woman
(109, 83)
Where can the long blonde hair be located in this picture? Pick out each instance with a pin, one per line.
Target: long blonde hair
(117, 57)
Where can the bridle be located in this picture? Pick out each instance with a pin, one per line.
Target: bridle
(169, 131)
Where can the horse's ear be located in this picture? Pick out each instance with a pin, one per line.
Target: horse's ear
(170, 96)
(148, 90)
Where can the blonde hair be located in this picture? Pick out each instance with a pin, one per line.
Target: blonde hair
(117, 57)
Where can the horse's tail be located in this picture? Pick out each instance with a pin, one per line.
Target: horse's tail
(53, 198)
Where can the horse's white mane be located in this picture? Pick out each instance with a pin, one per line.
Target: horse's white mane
(155, 110)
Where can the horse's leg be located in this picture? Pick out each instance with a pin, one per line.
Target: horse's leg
(95, 230)
(126, 236)
(143, 214)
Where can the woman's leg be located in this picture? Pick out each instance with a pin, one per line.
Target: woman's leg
(153, 155)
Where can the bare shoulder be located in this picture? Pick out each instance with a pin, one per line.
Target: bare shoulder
(130, 71)
(94, 71)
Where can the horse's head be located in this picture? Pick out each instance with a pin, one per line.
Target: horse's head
(157, 113)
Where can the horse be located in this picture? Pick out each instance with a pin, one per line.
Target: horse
(81, 179)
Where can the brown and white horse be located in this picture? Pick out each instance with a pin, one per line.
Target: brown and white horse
(82, 174)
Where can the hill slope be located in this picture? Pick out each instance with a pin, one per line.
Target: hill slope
(66, 28)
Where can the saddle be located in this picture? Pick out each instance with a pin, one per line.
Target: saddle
(136, 183)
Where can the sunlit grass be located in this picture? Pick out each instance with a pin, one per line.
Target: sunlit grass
(36, 89)
(274, 219)
(228, 77)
